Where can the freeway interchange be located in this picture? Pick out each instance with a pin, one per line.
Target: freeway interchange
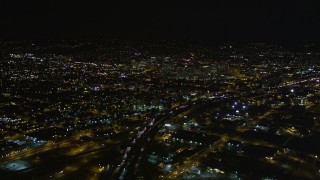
(133, 153)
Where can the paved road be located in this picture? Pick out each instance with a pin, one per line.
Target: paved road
(131, 163)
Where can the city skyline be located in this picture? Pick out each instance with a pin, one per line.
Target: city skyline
(159, 90)
(103, 109)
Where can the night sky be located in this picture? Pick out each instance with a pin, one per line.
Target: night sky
(222, 20)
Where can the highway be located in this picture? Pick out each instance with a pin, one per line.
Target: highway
(113, 146)
(131, 163)
(37, 150)
(134, 154)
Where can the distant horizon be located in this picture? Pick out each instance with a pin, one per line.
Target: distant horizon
(157, 40)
